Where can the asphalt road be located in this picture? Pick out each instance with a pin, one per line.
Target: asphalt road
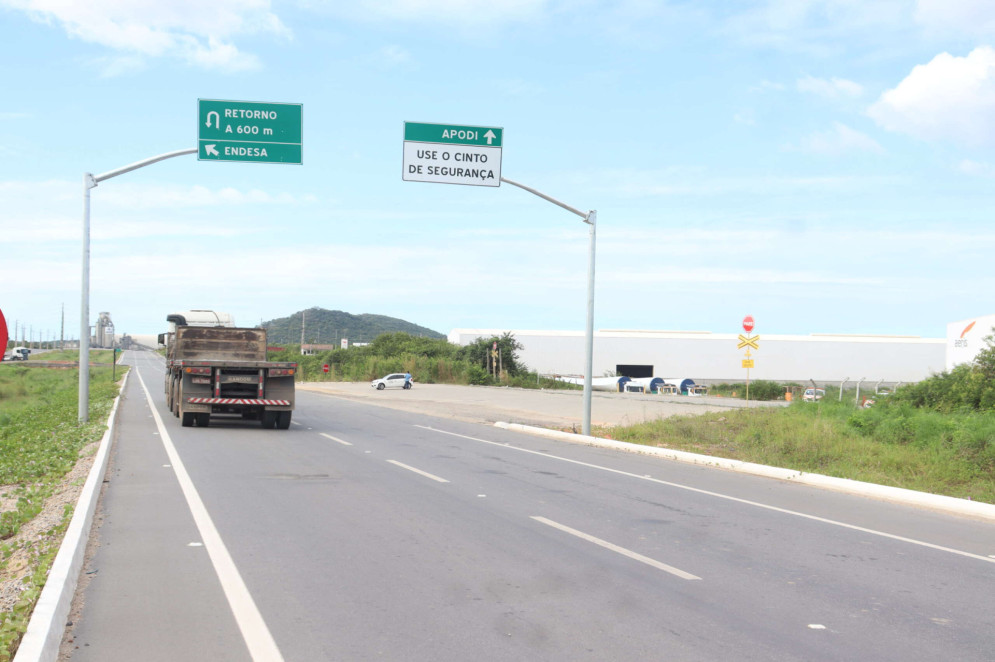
(365, 532)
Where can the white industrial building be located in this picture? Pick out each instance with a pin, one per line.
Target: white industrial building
(713, 357)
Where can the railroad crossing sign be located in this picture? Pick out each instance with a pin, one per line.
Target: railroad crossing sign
(451, 154)
(250, 131)
(748, 341)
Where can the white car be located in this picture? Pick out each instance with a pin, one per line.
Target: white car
(813, 394)
(396, 380)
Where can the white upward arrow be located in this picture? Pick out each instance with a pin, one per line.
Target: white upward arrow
(217, 119)
(489, 135)
(210, 150)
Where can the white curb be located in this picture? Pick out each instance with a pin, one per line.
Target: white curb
(894, 494)
(43, 637)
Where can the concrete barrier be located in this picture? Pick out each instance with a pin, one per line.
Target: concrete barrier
(938, 502)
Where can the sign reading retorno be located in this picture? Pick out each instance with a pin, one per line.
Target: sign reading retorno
(452, 154)
(250, 131)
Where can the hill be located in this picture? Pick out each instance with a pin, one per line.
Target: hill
(328, 327)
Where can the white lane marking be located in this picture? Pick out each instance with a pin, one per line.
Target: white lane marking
(615, 548)
(718, 495)
(341, 441)
(816, 626)
(195, 544)
(418, 471)
(296, 423)
(260, 642)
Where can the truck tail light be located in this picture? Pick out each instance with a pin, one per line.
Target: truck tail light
(198, 371)
(281, 372)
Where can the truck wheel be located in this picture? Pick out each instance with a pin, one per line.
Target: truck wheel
(283, 420)
(187, 419)
(203, 420)
(269, 420)
(176, 398)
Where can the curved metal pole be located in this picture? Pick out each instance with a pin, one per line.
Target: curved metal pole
(590, 218)
(89, 182)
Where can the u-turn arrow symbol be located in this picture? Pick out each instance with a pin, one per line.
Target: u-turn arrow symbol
(217, 119)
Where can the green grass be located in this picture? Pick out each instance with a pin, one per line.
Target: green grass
(40, 442)
(951, 454)
(96, 355)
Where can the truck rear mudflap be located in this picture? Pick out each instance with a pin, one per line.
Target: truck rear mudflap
(239, 401)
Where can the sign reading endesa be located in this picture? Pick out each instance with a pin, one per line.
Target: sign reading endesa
(451, 154)
(250, 131)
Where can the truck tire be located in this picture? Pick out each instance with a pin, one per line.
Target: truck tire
(283, 420)
(203, 420)
(176, 398)
(187, 419)
(268, 419)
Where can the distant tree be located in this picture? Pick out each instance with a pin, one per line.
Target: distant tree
(476, 353)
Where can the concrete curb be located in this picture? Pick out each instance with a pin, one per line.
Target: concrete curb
(43, 637)
(937, 502)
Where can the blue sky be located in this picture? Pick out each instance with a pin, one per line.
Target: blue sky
(823, 165)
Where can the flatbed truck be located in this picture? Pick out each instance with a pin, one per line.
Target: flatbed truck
(218, 370)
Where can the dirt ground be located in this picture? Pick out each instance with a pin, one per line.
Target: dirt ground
(557, 409)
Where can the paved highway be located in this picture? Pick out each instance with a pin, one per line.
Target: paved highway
(371, 533)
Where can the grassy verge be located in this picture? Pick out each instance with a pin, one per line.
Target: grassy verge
(941, 453)
(96, 355)
(40, 443)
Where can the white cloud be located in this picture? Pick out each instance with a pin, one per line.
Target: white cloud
(948, 98)
(395, 56)
(840, 140)
(833, 88)
(464, 13)
(976, 169)
(198, 33)
(973, 17)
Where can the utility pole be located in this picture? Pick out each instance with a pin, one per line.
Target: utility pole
(303, 320)
(62, 329)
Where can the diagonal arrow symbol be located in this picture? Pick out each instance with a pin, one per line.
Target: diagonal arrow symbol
(209, 149)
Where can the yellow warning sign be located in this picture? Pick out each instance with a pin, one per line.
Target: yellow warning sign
(748, 363)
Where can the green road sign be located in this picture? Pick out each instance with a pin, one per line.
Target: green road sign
(452, 154)
(250, 131)
(452, 134)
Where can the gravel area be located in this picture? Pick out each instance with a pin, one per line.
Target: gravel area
(559, 409)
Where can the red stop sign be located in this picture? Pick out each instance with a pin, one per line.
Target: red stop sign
(748, 323)
(324, 368)
(3, 334)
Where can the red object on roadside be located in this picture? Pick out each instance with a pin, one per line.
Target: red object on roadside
(324, 368)
(748, 323)
(3, 334)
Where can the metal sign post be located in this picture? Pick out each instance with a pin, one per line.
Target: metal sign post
(89, 182)
(591, 218)
(471, 155)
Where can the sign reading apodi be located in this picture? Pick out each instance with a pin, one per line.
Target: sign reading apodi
(250, 131)
(452, 154)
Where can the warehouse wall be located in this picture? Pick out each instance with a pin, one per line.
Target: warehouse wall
(714, 357)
